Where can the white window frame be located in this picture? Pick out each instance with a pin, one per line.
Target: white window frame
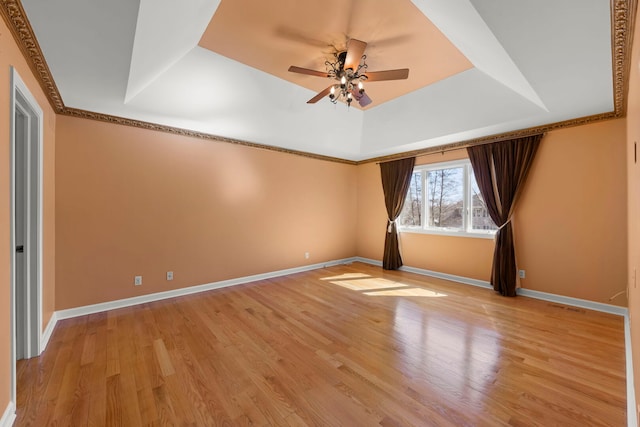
(466, 230)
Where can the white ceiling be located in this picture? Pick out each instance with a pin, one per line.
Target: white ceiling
(534, 62)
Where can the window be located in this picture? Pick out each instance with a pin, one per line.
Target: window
(444, 198)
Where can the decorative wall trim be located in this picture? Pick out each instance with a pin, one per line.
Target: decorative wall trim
(9, 415)
(16, 19)
(622, 17)
(632, 416)
(497, 137)
(127, 302)
(46, 334)
(74, 112)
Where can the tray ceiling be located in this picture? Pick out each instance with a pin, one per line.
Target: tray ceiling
(478, 67)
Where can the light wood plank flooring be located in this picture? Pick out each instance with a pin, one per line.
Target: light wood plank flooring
(341, 346)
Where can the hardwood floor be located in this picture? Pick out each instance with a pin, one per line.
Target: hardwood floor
(342, 346)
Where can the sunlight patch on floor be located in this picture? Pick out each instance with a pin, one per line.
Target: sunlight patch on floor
(368, 284)
(408, 292)
(347, 276)
(376, 286)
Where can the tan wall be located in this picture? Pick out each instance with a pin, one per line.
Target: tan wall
(570, 224)
(135, 202)
(633, 194)
(10, 55)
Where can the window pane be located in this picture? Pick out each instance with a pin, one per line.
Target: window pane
(480, 219)
(445, 198)
(411, 215)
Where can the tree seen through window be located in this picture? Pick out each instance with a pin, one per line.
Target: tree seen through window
(437, 199)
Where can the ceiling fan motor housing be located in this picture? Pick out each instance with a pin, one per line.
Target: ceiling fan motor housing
(342, 58)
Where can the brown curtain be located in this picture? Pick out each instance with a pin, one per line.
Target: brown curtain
(501, 170)
(396, 177)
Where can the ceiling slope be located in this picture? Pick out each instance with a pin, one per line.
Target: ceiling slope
(478, 67)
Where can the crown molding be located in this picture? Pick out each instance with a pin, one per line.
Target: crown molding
(84, 114)
(16, 19)
(495, 138)
(623, 14)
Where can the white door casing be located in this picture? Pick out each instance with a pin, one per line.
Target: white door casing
(26, 164)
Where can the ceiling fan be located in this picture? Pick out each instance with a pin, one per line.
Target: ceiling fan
(350, 71)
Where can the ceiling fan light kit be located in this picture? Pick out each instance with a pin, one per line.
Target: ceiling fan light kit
(350, 80)
(350, 71)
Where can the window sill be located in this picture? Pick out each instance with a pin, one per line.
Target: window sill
(475, 235)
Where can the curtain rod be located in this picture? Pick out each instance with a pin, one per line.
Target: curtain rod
(446, 149)
(430, 153)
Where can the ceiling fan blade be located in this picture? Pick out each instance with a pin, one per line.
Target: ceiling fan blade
(355, 51)
(362, 98)
(320, 95)
(376, 76)
(307, 71)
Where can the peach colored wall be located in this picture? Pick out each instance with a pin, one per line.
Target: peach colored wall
(372, 217)
(575, 248)
(10, 55)
(571, 222)
(633, 195)
(135, 202)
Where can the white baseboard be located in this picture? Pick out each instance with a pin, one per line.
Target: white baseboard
(369, 261)
(431, 273)
(576, 302)
(127, 302)
(453, 278)
(9, 415)
(46, 334)
(632, 416)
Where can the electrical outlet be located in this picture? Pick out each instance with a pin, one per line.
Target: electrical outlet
(306, 255)
(169, 275)
(521, 273)
(137, 281)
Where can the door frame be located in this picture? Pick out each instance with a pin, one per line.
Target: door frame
(22, 99)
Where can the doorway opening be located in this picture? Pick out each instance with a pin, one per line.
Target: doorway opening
(26, 225)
